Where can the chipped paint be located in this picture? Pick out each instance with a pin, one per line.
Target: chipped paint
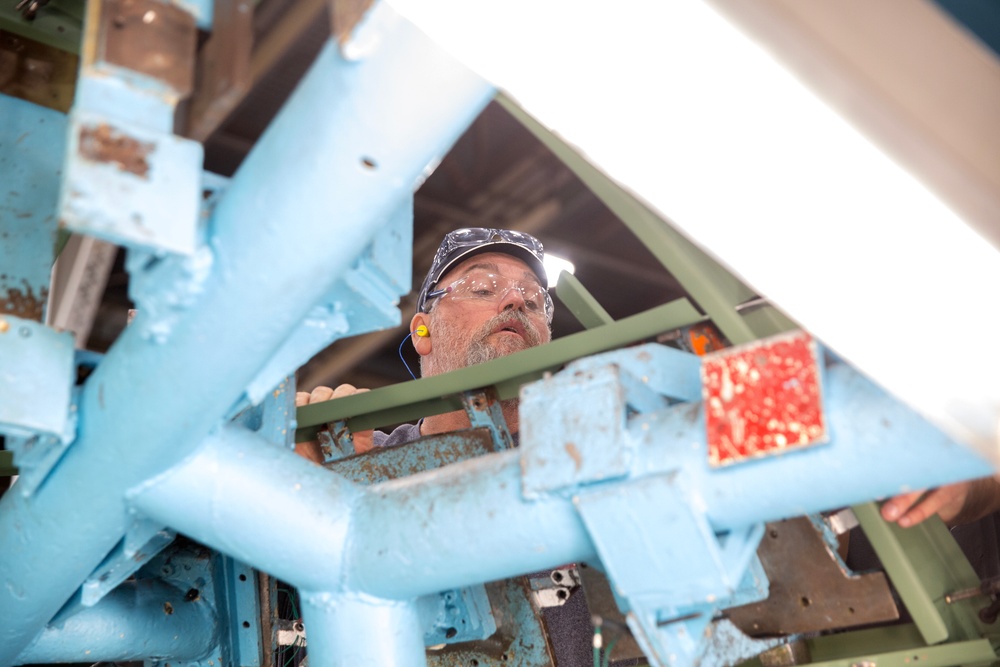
(574, 454)
(103, 143)
(762, 399)
(23, 303)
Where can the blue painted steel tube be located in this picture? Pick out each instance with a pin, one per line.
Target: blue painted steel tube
(258, 503)
(466, 523)
(456, 526)
(878, 447)
(355, 137)
(352, 629)
(136, 621)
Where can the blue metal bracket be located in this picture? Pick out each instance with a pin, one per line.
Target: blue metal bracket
(274, 418)
(127, 177)
(237, 585)
(227, 586)
(32, 142)
(143, 540)
(484, 411)
(129, 184)
(364, 300)
(38, 374)
(691, 565)
(519, 640)
(557, 459)
(457, 616)
(646, 377)
(35, 457)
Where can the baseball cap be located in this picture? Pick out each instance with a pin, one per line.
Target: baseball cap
(463, 243)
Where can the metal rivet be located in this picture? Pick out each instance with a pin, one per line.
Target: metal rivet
(149, 17)
(25, 332)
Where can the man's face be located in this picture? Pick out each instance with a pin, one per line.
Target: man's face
(469, 331)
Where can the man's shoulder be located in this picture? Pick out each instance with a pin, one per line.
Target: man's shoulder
(400, 435)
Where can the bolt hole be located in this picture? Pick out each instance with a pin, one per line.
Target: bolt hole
(450, 632)
(561, 594)
(503, 656)
(850, 610)
(59, 28)
(474, 662)
(192, 595)
(246, 624)
(805, 602)
(118, 22)
(243, 577)
(557, 576)
(774, 534)
(368, 163)
(298, 626)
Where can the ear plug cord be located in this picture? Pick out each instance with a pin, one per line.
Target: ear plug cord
(405, 338)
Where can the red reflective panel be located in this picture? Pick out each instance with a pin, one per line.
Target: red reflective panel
(762, 398)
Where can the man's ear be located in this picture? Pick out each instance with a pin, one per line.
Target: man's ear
(422, 344)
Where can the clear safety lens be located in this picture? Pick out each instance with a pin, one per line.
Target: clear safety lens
(492, 287)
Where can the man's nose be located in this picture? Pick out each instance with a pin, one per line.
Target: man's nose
(512, 299)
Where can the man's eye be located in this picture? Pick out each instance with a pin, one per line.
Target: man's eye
(483, 292)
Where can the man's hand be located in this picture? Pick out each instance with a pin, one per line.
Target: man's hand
(363, 440)
(954, 503)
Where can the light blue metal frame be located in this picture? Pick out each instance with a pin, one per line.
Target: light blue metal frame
(378, 545)
(627, 487)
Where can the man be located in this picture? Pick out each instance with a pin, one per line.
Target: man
(484, 297)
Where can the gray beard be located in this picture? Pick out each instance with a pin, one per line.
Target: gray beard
(479, 349)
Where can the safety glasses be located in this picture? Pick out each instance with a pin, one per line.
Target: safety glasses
(492, 288)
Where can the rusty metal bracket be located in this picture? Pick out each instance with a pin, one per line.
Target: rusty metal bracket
(809, 591)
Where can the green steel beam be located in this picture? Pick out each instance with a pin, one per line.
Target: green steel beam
(714, 288)
(766, 320)
(59, 24)
(895, 646)
(924, 564)
(581, 303)
(408, 401)
(890, 646)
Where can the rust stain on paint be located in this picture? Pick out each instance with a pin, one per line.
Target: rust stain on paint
(106, 144)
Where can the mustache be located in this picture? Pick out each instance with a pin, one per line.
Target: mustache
(530, 333)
